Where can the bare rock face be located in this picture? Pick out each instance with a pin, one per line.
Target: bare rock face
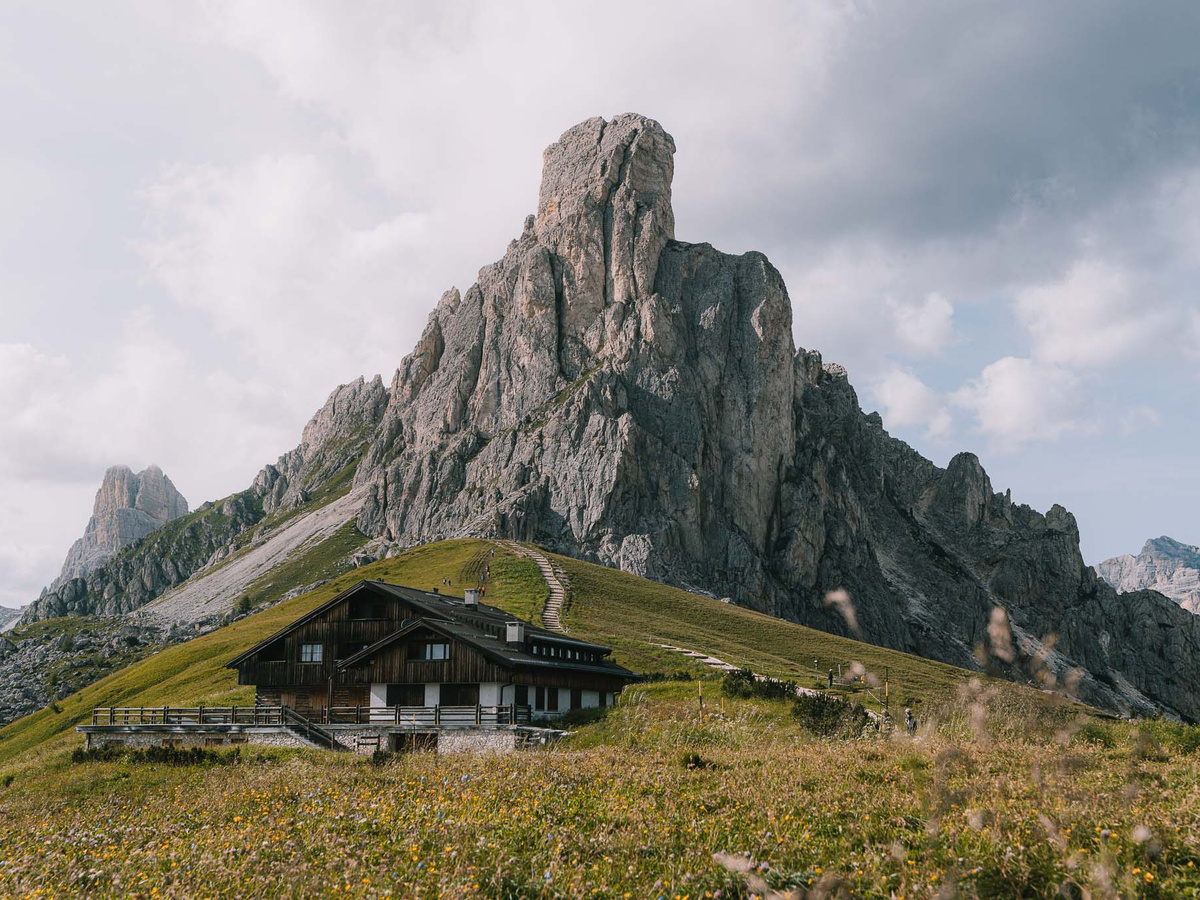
(128, 507)
(332, 440)
(624, 397)
(1164, 565)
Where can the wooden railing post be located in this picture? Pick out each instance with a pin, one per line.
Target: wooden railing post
(233, 715)
(437, 714)
(478, 714)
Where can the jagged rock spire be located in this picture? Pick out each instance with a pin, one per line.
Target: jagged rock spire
(604, 211)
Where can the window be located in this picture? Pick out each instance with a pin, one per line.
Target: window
(428, 651)
(459, 694)
(576, 698)
(521, 694)
(405, 695)
(312, 653)
(539, 698)
(552, 699)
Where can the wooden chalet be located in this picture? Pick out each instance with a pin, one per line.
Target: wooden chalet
(380, 654)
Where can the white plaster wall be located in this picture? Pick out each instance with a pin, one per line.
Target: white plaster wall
(433, 694)
(564, 701)
(590, 699)
(508, 694)
(489, 693)
(379, 695)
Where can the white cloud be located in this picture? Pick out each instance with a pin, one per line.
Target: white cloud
(923, 327)
(907, 402)
(1016, 401)
(148, 400)
(1094, 316)
(280, 257)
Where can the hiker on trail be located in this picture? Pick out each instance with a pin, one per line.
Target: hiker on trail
(910, 723)
(831, 679)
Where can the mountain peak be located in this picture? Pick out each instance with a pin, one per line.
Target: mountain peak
(604, 210)
(128, 506)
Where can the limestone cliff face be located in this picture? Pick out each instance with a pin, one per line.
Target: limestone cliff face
(1164, 565)
(332, 440)
(128, 507)
(624, 397)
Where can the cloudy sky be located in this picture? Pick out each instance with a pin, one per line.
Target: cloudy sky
(212, 215)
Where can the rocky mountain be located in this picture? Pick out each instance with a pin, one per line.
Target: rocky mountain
(311, 474)
(1164, 565)
(8, 617)
(619, 395)
(128, 507)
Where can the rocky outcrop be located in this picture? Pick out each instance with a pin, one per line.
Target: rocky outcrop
(128, 507)
(625, 397)
(41, 665)
(9, 617)
(1164, 565)
(618, 395)
(318, 470)
(146, 568)
(331, 443)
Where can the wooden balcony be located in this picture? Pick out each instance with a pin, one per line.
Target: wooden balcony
(282, 716)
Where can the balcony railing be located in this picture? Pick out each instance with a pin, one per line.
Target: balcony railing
(503, 714)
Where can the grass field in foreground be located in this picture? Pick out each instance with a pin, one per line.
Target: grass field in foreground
(637, 805)
(1005, 792)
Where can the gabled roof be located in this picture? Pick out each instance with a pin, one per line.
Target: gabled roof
(432, 606)
(498, 651)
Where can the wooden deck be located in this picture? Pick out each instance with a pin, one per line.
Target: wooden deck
(282, 716)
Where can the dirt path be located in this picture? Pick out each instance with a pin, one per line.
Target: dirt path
(555, 580)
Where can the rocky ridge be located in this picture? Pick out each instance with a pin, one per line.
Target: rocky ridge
(616, 394)
(1164, 565)
(128, 507)
(619, 395)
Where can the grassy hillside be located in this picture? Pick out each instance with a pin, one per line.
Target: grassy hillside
(629, 613)
(194, 672)
(1003, 793)
(633, 614)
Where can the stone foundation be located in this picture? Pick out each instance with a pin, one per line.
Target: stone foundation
(362, 739)
(141, 740)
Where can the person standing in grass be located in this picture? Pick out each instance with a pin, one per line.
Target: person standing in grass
(910, 723)
(831, 679)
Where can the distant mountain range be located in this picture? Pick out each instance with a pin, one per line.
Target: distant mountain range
(1164, 565)
(626, 398)
(8, 617)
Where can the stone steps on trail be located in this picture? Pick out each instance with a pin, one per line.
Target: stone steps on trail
(555, 580)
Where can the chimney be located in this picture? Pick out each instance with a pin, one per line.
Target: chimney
(471, 597)
(516, 633)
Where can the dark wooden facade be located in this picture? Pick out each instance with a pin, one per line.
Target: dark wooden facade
(372, 633)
